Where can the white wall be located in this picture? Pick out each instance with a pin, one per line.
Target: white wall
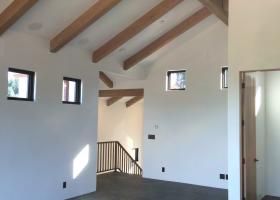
(118, 123)
(39, 140)
(273, 133)
(253, 44)
(191, 139)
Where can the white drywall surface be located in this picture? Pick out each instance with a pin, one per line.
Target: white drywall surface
(40, 140)
(253, 45)
(190, 126)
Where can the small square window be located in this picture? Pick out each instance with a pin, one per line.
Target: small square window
(176, 80)
(71, 92)
(20, 85)
(224, 78)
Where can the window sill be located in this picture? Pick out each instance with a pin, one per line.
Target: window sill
(20, 99)
(73, 103)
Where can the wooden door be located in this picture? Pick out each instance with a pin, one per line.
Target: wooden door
(249, 138)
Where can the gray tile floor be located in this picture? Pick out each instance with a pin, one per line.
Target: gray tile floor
(116, 186)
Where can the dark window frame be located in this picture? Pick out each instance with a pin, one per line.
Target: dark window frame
(31, 84)
(224, 77)
(78, 91)
(168, 79)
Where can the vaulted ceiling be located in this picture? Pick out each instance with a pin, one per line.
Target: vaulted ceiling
(94, 32)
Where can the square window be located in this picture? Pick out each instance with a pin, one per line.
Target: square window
(176, 80)
(71, 91)
(224, 78)
(20, 85)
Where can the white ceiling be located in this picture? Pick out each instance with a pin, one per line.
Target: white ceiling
(49, 17)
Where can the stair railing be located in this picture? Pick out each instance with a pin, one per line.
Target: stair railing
(112, 156)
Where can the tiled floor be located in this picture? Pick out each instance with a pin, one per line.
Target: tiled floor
(116, 186)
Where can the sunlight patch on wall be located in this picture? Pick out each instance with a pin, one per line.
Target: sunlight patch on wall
(80, 161)
(129, 143)
(258, 100)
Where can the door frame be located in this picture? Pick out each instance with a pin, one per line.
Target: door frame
(241, 93)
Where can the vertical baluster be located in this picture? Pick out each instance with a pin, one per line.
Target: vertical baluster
(122, 159)
(98, 158)
(103, 163)
(115, 155)
(108, 156)
(101, 156)
(111, 155)
(126, 163)
(104, 156)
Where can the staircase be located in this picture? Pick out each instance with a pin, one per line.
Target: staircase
(112, 156)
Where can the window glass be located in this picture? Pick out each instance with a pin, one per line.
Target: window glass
(71, 90)
(224, 77)
(176, 80)
(20, 84)
(17, 85)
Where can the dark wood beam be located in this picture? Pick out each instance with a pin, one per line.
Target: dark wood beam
(133, 101)
(216, 10)
(121, 93)
(95, 12)
(167, 37)
(135, 28)
(106, 79)
(225, 6)
(113, 100)
(13, 12)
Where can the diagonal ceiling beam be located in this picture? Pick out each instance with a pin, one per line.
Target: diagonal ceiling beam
(113, 100)
(121, 93)
(225, 5)
(167, 37)
(95, 12)
(216, 10)
(106, 80)
(133, 101)
(13, 12)
(133, 29)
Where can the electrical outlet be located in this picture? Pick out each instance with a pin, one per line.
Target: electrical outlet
(64, 185)
(163, 169)
(222, 176)
(151, 137)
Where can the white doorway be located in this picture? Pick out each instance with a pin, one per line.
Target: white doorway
(261, 135)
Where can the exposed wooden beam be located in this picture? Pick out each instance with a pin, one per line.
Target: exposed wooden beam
(121, 93)
(95, 12)
(133, 101)
(225, 6)
(113, 100)
(167, 37)
(106, 79)
(216, 9)
(133, 29)
(13, 12)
